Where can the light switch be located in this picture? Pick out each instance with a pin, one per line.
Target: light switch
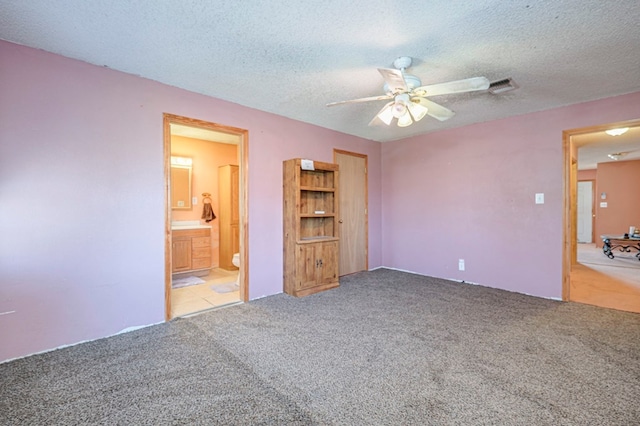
(540, 198)
(194, 200)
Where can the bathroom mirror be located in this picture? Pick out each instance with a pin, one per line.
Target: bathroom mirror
(181, 183)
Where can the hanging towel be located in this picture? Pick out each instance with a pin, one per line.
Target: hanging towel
(207, 212)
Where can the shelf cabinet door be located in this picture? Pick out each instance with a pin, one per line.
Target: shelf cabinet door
(328, 269)
(307, 266)
(317, 264)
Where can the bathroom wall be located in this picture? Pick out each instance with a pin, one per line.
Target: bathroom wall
(207, 157)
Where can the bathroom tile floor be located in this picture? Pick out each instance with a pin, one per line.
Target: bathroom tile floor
(200, 297)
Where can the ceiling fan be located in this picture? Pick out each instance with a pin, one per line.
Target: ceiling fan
(409, 102)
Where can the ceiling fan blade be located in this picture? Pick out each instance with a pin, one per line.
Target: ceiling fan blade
(394, 79)
(458, 86)
(435, 110)
(353, 101)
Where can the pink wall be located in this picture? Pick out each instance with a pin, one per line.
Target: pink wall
(82, 193)
(82, 217)
(619, 180)
(207, 157)
(468, 193)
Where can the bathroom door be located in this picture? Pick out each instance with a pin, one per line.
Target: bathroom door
(352, 222)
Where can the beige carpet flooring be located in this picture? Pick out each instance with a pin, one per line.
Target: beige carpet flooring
(384, 348)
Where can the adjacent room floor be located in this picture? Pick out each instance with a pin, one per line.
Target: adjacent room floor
(217, 290)
(610, 283)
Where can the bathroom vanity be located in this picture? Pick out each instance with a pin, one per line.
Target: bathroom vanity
(191, 248)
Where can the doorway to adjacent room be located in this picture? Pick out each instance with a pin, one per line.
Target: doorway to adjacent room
(206, 260)
(589, 276)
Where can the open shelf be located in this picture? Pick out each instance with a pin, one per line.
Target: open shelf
(312, 227)
(317, 201)
(311, 230)
(317, 179)
(317, 189)
(309, 240)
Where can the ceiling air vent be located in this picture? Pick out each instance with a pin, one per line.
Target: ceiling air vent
(501, 86)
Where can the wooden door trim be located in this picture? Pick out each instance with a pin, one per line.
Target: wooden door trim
(569, 245)
(243, 150)
(366, 196)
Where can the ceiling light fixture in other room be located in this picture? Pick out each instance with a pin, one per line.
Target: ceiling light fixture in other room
(617, 132)
(617, 155)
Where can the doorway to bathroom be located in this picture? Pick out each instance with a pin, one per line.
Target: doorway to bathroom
(205, 219)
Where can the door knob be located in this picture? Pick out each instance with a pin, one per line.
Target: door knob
(340, 221)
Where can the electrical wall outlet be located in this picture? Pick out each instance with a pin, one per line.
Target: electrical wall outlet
(460, 264)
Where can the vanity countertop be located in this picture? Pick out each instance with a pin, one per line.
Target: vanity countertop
(179, 225)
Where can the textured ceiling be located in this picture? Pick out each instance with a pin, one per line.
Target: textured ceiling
(293, 57)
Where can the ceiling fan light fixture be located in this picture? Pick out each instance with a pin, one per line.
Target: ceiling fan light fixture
(386, 114)
(417, 111)
(405, 120)
(408, 97)
(399, 109)
(400, 105)
(617, 132)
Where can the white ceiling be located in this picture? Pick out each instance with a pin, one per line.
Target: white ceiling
(293, 57)
(594, 148)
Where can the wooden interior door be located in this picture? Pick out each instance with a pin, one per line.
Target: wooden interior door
(353, 211)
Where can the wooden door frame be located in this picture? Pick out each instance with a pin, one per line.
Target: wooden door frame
(366, 197)
(569, 203)
(243, 151)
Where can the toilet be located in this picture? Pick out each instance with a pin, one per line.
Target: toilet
(236, 262)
